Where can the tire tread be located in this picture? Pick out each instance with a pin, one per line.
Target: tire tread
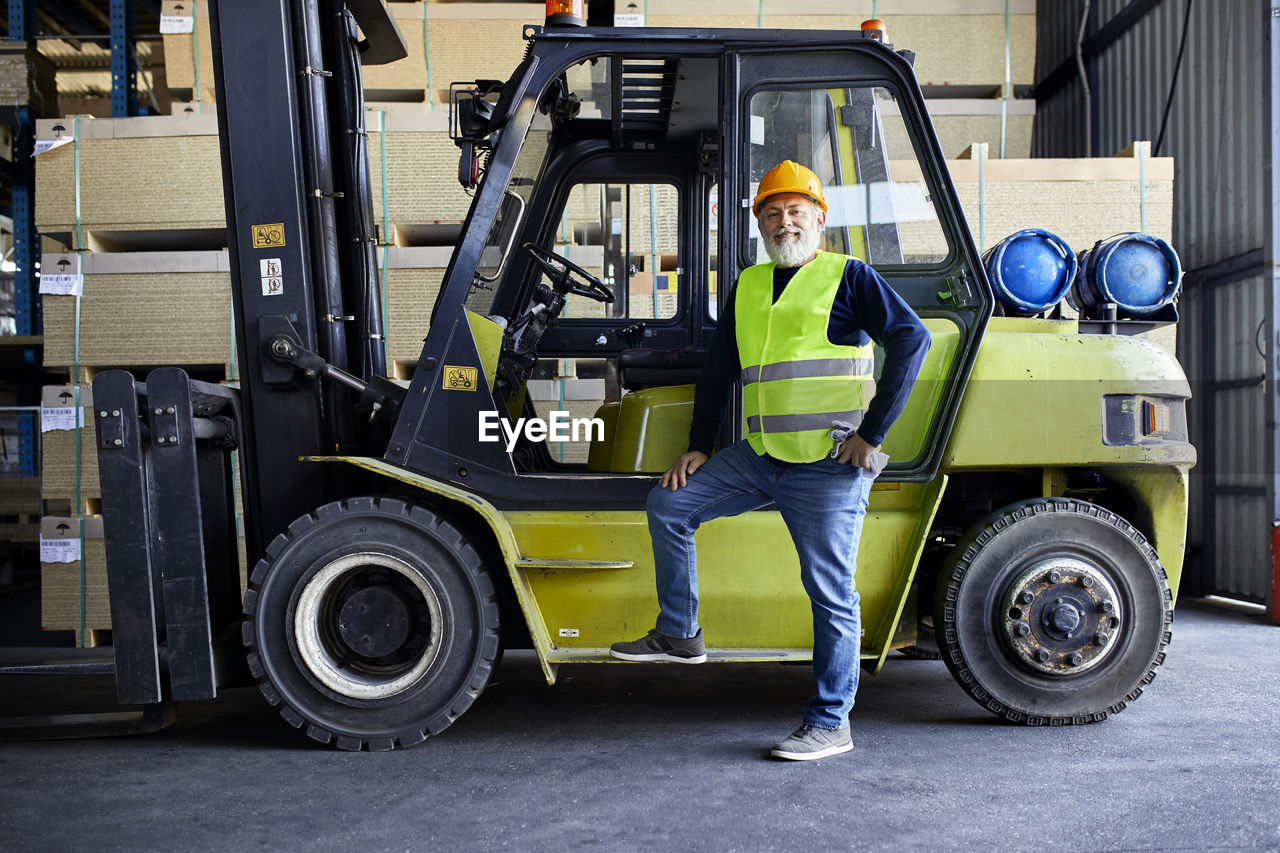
(470, 562)
(972, 546)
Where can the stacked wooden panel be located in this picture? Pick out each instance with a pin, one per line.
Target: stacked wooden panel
(68, 451)
(156, 182)
(960, 122)
(73, 576)
(27, 78)
(447, 42)
(956, 42)
(140, 309)
(127, 184)
(960, 52)
(1082, 201)
(413, 164)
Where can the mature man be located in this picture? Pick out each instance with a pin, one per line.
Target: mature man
(799, 333)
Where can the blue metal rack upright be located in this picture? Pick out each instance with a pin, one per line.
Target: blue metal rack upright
(27, 305)
(124, 58)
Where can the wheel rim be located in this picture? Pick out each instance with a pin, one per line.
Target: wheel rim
(368, 625)
(1062, 617)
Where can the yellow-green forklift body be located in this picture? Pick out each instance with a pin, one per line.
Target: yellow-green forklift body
(585, 579)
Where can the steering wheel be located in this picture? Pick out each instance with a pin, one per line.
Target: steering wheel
(565, 274)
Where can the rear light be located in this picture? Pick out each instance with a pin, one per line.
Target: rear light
(565, 13)
(1156, 418)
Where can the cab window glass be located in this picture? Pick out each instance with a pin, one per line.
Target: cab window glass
(713, 243)
(500, 246)
(627, 234)
(879, 207)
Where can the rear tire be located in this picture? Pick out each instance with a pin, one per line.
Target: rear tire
(1053, 612)
(371, 623)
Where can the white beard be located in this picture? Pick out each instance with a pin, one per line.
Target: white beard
(794, 252)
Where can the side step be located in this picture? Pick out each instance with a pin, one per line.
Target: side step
(566, 655)
(547, 564)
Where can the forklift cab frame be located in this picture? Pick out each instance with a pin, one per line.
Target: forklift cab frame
(678, 110)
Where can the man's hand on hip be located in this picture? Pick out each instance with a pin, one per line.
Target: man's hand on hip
(677, 475)
(856, 451)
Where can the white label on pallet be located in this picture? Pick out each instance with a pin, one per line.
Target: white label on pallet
(61, 275)
(272, 272)
(43, 145)
(59, 550)
(628, 20)
(60, 417)
(170, 24)
(62, 285)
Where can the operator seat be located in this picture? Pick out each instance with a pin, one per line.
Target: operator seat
(652, 368)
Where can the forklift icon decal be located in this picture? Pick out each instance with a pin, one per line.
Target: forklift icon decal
(459, 378)
(268, 236)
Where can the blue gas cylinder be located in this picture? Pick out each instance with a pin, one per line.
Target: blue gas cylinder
(1138, 272)
(1030, 270)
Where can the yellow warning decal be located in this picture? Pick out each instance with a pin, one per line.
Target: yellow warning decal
(268, 236)
(460, 378)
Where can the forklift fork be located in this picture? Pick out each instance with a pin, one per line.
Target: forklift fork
(169, 526)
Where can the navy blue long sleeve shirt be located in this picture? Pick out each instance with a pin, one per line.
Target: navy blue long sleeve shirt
(866, 309)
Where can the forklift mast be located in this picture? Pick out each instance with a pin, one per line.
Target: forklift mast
(300, 232)
(306, 308)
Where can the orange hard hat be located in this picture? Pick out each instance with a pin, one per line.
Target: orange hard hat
(789, 177)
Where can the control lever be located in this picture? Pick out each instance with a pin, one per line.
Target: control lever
(632, 334)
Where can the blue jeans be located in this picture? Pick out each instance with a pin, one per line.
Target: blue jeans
(823, 504)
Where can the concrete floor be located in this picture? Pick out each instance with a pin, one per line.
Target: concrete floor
(645, 757)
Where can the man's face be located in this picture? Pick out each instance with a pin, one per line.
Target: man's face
(791, 228)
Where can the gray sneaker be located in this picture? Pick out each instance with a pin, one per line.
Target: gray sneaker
(809, 742)
(654, 646)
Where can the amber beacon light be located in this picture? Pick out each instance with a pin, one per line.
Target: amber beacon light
(565, 13)
(873, 27)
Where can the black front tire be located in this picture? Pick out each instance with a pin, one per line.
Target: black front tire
(1053, 612)
(371, 623)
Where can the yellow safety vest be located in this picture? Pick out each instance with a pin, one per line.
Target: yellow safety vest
(795, 382)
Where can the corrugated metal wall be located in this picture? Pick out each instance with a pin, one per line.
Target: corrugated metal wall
(1218, 132)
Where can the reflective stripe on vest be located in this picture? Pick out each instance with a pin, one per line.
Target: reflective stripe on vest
(814, 420)
(795, 383)
(808, 369)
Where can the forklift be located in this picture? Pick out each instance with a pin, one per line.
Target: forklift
(1029, 528)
